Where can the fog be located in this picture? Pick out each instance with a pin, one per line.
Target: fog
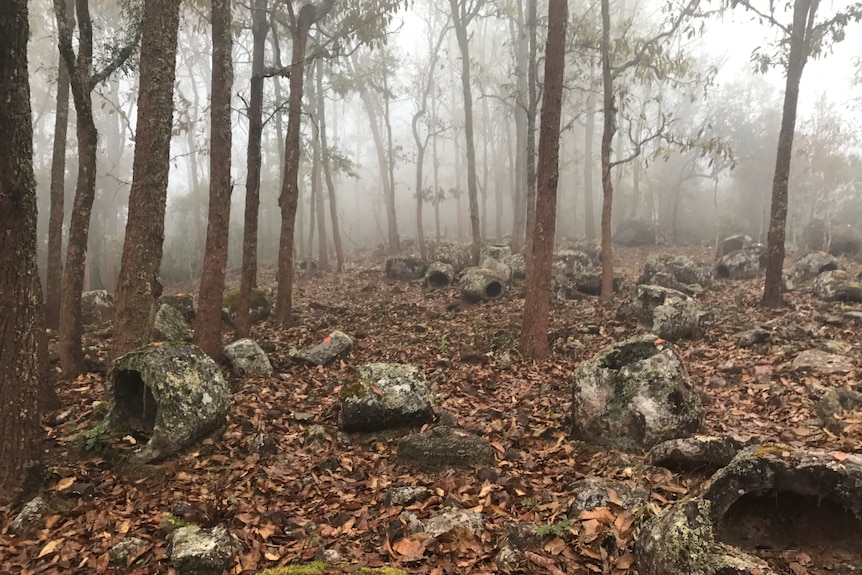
(708, 174)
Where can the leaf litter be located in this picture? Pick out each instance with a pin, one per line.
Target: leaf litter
(289, 504)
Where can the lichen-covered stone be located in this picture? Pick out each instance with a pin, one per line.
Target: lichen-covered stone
(633, 395)
(406, 495)
(593, 491)
(182, 302)
(633, 232)
(702, 452)
(246, 358)
(385, 395)
(194, 550)
(444, 447)
(120, 552)
(732, 244)
(174, 393)
(335, 345)
(453, 253)
(498, 268)
(518, 264)
(449, 520)
(439, 275)
(668, 313)
(821, 362)
(738, 265)
(573, 261)
(170, 325)
(29, 516)
(815, 263)
(833, 403)
(479, 284)
(97, 306)
(405, 268)
(838, 285)
(676, 272)
(259, 307)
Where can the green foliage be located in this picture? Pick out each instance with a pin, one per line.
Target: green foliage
(444, 343)
(530, 502)
(171, 523)
(95, 438)
(558, 529)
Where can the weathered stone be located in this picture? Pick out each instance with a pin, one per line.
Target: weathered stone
(633, 233)
(194, 550)
(587, 283)
(633, 395)
(518, 264)
(439, 275)
(573, 261)
(838, 285)
(453, 253)
(335, 345)
(405, 268)
(732, 244)
(174, 393)
(676, 272)
(182, 302)
(499, 252)
(29, 516)
(668, 313)
(738, 265)
(449, 520)
(260, 443)
(832, 405)
(498, 268)
(170, 325)
(702, 452)
(246, 358)
(752, 337)
(593, 491)
(97, 306)
(385, 395)
(123, 549)
(315, 434)
(259, 309)
(399, 496)
(815, 263)
(821, 362)
(444, 447)
(840, 239)
(479, 284)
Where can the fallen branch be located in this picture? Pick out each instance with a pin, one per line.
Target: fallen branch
(545, 562)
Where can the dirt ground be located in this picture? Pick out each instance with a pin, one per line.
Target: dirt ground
(288, 506)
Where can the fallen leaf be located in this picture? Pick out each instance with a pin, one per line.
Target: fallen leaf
(65, 483)
(49, 547)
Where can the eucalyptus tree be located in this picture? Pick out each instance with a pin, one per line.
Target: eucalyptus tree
(22, 349)
(139, 285)
(533, 342)
(802, 38)
(82, 79)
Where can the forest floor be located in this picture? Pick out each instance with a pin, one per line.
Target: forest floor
(289, 506)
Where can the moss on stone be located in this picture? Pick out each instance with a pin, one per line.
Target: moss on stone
(776, 449)
(355, 390)
(320, 567)
(231, 299)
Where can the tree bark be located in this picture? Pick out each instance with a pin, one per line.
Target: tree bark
(289, 196)
(534, 330)
(460, 21)
(316, 174)
(207, 333)
(22, 349)
(803, 13)
(54, 276)
(608, 129)
(138, 286)
(327, 171)
(589, 131)
(248, 277)
(532, 103)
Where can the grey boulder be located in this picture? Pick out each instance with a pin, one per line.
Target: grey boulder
(246, 358)
(385, 395)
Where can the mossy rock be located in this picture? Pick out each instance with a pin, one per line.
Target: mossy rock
(259, 308)
(322, 568)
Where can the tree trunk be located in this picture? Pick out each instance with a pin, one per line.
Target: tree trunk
(798, 56)
(54, 279)
(207, 335)
(71, 354)
(608, 129)
(589, 131)
(534, 331)
(138, 286)
(391, 212)
(327, 171)
(532, 103)
(289, 196)
(248, 277)
(420, 161)
(461, 21)
(22, 336)
(519, 183)
(316, 177)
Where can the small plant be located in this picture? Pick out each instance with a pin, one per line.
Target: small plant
(529, 502)
(96, 437)
(557, 529)
(444, 344)
(171, 523)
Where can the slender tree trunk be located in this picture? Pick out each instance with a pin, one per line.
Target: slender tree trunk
(248, 278)
(316, 173)
(139, 287)
(391, 212)
(461, 20)
(207, 334)
(519, 183)
(608, 129)
(54, 279)
(589, 131)
(534, 331)
(435, 168)
(799, 46)
(532, 105)
(290, 186)
(22, 335)
(327, 171)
